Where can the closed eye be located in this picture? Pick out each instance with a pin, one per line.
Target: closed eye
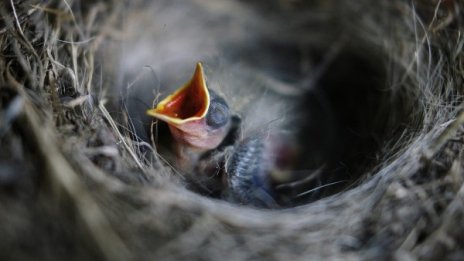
(218, 114)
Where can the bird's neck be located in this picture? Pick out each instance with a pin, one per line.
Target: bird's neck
(187, 157)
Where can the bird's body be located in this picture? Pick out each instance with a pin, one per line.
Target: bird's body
(247, 174)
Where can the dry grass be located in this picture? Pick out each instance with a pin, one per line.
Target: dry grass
(75, 185)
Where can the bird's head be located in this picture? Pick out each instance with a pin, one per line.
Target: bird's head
(198, 118)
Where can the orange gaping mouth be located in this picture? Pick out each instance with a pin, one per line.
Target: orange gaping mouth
(189, 103)
(185, 113)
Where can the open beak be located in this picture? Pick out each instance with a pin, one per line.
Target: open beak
(185, 112)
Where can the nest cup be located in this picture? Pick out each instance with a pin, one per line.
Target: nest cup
(376, 97)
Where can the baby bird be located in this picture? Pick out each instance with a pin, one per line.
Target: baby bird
(198, 120)
(206, 144)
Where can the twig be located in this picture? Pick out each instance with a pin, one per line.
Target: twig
(16, 18)
(110, 120)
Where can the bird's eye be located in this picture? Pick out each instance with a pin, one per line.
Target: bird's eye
(218, 114)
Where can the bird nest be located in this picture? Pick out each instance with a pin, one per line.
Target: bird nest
(384, 110)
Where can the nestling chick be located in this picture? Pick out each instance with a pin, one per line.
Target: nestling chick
(198, 120)
(199, 123)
